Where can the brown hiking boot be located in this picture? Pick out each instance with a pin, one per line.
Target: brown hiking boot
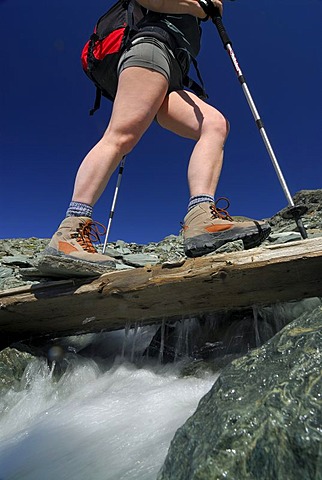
(73, 240)
(207, 227)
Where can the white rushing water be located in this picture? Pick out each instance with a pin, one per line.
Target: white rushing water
(94, 423)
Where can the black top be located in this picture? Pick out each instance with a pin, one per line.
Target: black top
(184, 28)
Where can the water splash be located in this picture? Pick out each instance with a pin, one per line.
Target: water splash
(107, 425)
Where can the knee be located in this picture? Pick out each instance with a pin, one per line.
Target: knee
(122, 142)
(126, 142)
(218, 124)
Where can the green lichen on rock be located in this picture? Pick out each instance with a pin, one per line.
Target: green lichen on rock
(263, 417)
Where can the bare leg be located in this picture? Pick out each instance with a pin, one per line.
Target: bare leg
(186, 115)
(205, 229)
(139, 96)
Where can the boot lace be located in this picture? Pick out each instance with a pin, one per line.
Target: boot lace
(221, 212)
(89, 232)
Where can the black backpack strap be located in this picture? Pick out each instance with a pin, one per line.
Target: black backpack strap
(97, 102)
(130, 6)
(130, 13)
(90, 53)
(164, 36)
(195, 87)
(199, 90)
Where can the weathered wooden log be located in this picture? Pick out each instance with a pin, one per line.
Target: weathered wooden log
(260, 276)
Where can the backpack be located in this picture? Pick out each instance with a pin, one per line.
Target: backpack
(112, 34)
(105, 46)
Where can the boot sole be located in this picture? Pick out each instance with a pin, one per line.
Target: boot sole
(207, 243)
(56, 253)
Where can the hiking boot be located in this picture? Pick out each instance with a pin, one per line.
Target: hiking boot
(73, 240)
(207, 227)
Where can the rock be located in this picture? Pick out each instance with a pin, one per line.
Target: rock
(22, 246)
(122, 248)
(284, 237)
(123, 266)
(262, 418)
(174, 262)
(140, 259)
(17, 256)
(5, 272)
(13, 282)
(12, 366)
(18, 260)
(311, 199)
(168, 248)
(312, 220)
(113, 252)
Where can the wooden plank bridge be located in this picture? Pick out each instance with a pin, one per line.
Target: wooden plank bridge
(221, 282)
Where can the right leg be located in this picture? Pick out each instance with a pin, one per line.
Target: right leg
(139, 96)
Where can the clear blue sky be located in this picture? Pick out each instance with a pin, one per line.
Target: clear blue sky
(45, 128)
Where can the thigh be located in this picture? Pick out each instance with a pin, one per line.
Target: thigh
(185, 114)
(139, 96)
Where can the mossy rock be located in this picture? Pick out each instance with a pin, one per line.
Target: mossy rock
(263, 417)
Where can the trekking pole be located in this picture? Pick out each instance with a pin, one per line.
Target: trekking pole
(294, 211)
(118, 183)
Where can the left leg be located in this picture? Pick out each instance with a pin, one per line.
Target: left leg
(187, 115)
(206, 227)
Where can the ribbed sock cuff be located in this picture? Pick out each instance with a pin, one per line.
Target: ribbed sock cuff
(79, 209)
(195, 199)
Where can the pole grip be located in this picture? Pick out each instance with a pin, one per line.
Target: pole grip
(214, 13)
(221, 30)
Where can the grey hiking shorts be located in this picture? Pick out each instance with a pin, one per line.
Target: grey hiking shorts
(148, 52)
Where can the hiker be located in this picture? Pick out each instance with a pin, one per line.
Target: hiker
(150, 87)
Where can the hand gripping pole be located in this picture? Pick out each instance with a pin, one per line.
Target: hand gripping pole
(294, 211)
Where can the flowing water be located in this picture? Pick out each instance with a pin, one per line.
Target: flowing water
(108, 419)
(106, 408)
